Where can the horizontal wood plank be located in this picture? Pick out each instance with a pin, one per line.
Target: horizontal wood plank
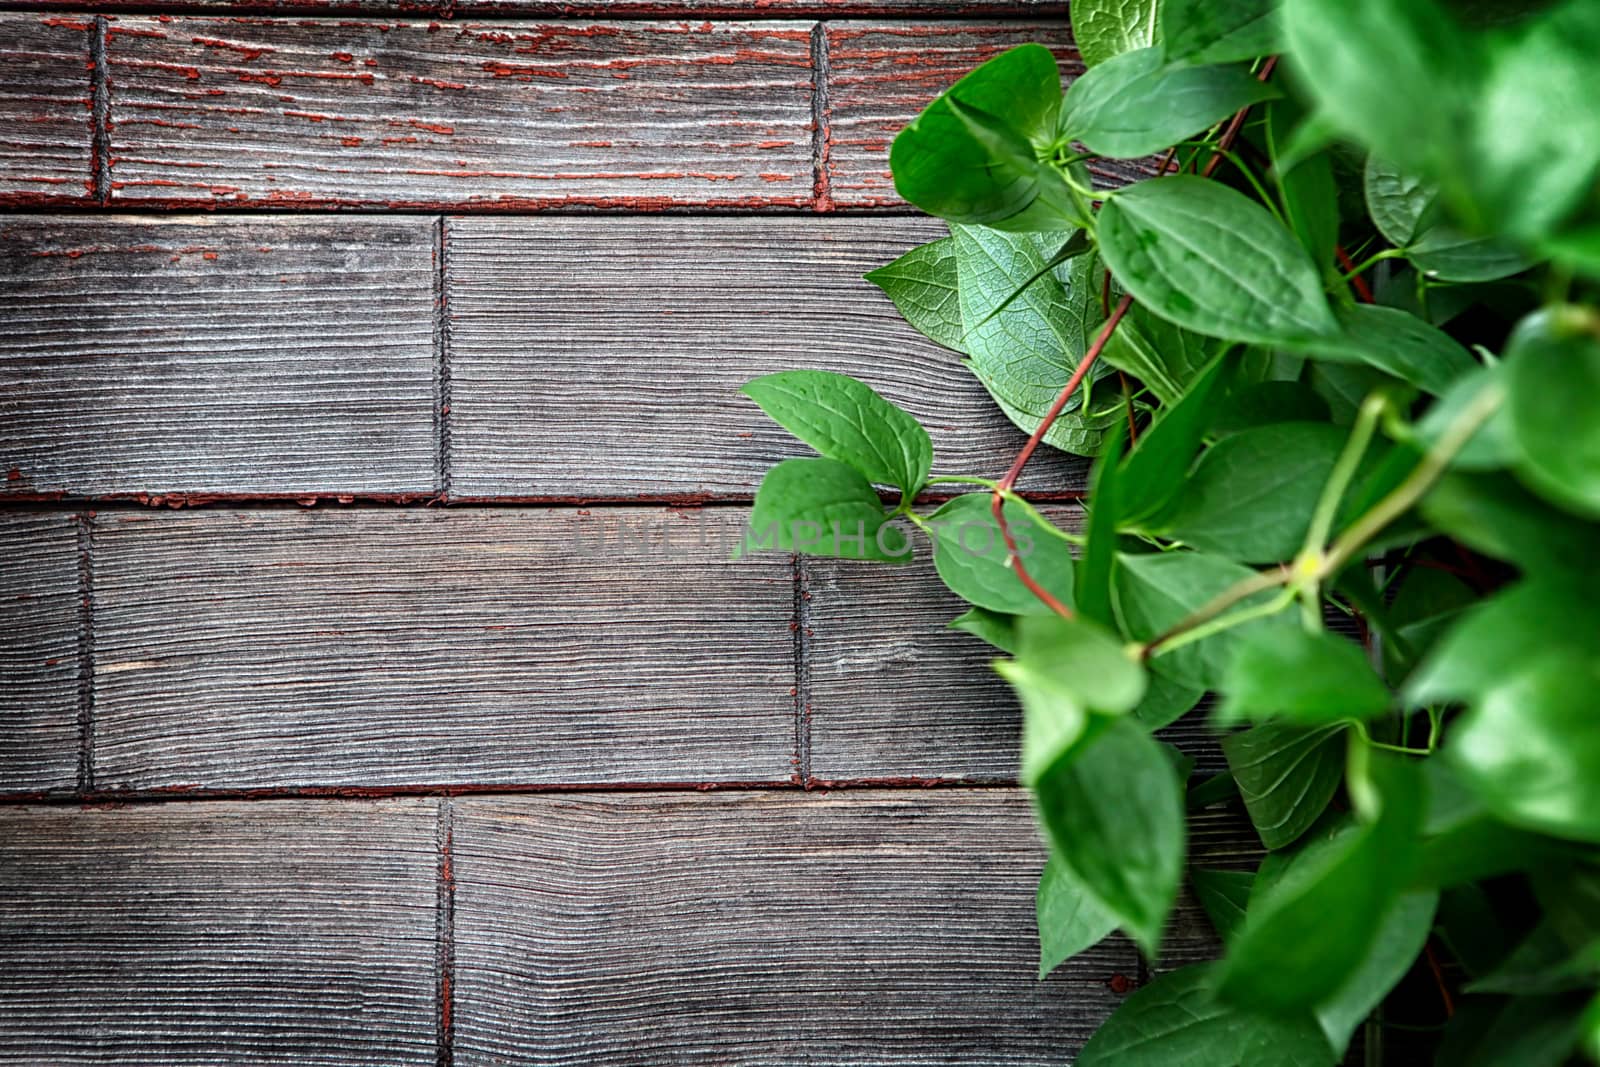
(218, 355)
(652, 9)
(638, 115)
(46, 109)
(882, 74)
(39, 651)
(266, 933)
(384, 647)
(604, 356)
(860, 927)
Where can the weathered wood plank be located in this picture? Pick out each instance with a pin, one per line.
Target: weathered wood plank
(882, 74)
(860, 927)
(272, 932)
(636, 115)
(652, 9)
(46, 109)
(39, 620)
(603, 357)
(218, 355)
(404, 647)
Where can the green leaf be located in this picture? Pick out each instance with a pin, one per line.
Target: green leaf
(849, 422)
(1517, 625)
(1308, 190)
(1070, 919)
(922, 284)
(1544, 962)
(1113, 812)
(1308, 933)
(1055, 722)
(1251, 495)
(1405, 208)
(1494, 515)
(822, 507)
(1136, 104)
(1531, 173)
(1286, 775)
(1530, 750)
(1447, 254)
(1224, 895)
(1265, 403)
(1220, 31)
(1491, 446)
(1297, 676)
(1464, 842)
(1213, 261)
(1553, 378)
(1424, 92)
(1525, 1031)
(1156, 592)
(970, 556)
(1100, 546)
(1176, 1021)
(1025, 354)
(1163, 357)
(1085, 658)
(1107, 28)
(991, 626)
(1159, 465)
(1398, 343)
(973, 155)
(1399, 941)
(1165, 701)
(1396, 200)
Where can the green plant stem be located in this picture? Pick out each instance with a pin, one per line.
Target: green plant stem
(1368, 263)
(1416, 485)
(1315, 569)
(1012, 497)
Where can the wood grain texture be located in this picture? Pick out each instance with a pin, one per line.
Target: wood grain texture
(604, 356)
(39, 651)
(46, 109)
(860, 927)
(266, 933)
(894, 693)
(383, 647)
(882, 74)
(636, 115)
(217, 355)
(657, 9)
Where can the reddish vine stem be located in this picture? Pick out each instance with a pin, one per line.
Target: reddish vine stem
(997, 506)
(1438, 977)
(1231, 133)
(1005, 485)
(1357, 282)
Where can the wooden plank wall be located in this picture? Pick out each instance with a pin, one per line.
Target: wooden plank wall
(438, 725)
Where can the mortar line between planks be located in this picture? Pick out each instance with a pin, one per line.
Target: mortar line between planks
(821, 116)
(441, 344)
(100, 115)
(85, 544)
(445, 932)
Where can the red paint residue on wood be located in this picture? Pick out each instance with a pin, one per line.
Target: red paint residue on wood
(115, 31)
(343, 57)
(520, 72)
(68, 23)
(437, 83)
(776, 177)
(250, 54)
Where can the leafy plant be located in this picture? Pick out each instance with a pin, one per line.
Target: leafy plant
(1339, 358)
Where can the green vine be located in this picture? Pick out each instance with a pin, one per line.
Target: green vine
(1353, 319)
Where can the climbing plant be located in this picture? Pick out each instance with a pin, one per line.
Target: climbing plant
(1338, 362)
